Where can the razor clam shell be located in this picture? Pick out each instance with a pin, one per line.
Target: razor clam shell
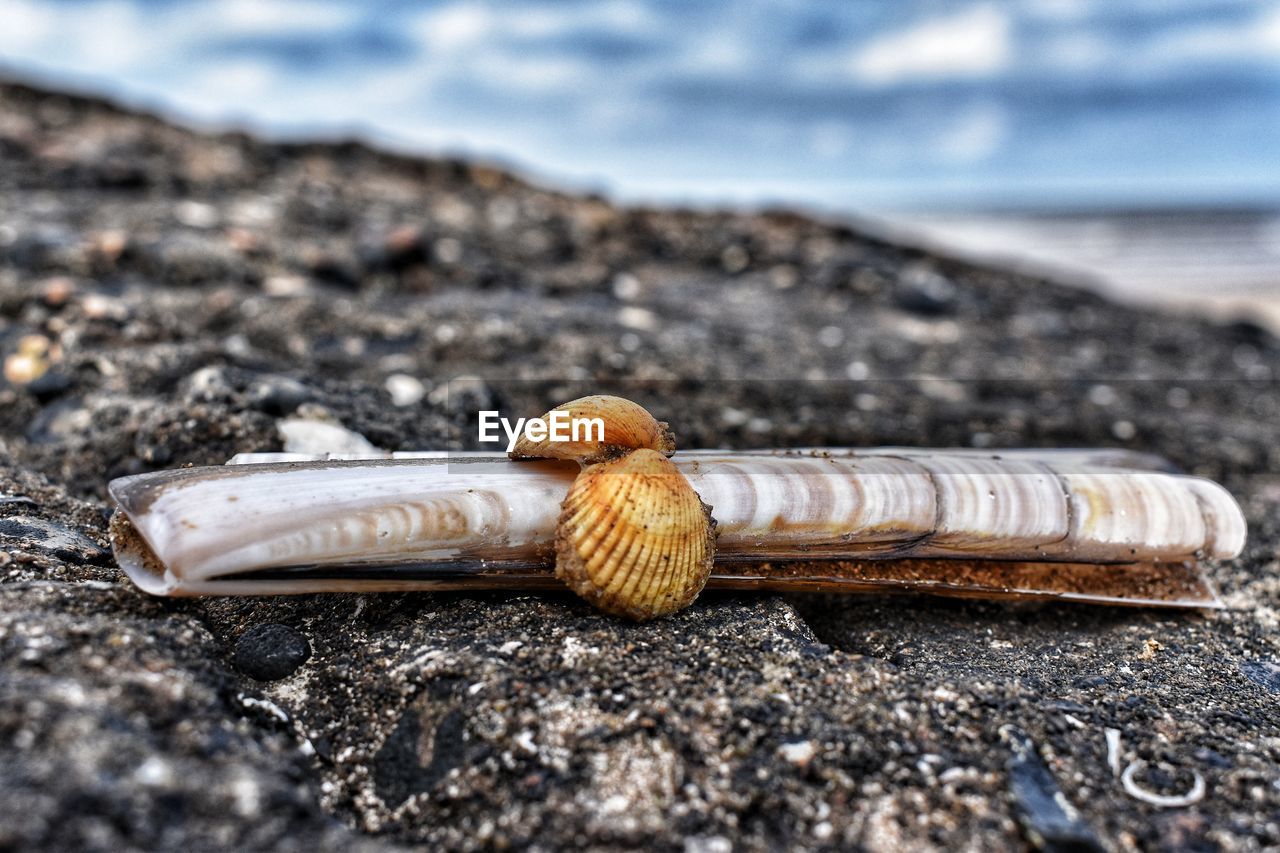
(203, 523)
(198, 525)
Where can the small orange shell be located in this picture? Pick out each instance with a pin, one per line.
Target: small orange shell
(627, 426)
(634, 539)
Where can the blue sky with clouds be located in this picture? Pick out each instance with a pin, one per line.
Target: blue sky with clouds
(853, 106)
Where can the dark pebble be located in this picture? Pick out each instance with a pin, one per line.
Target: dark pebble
(338, 271)
(189, 259)
(278, 395)
(1066, 706)
(52, 538)
(397, 251)
(41, 249)
(1262, 673)
(923, 291)
(1209, 758)
(1250, 331)
(271, 652)
(1051, 823)
(49, 386)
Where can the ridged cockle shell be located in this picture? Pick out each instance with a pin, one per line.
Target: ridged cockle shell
(634, 539)
(627, 426)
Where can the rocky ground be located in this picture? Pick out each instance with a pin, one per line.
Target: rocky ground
(167, 297)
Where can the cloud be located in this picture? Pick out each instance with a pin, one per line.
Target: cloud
(975, 137)
(1254, 38)
(292, 16)
(974, 43)
(830, 140)
(899, 96)
(457, 26)
(1075, 50)
(464, 24)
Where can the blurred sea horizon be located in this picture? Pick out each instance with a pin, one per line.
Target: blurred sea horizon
(1133, 143)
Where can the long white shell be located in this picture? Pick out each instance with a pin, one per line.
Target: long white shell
(206, 530)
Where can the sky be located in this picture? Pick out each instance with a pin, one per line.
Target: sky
(854, 106)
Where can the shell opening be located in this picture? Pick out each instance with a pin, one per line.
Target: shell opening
(136, 557)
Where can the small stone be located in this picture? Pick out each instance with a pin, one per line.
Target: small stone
(97, 306)
(210, 382)
(271, 652)
(190, 259)
(1049, 819)
(1262, 673)
(857, 371)
(626, 287)
(154, 772)
(637, 318)
(735, 259)
(831, 336)
(51, 537)
(278, 395)
(1102, 395)
(448, 250)
(285, 285)
(799, 752)
(196, 214)
(109, 245)
(57, 291)
(31, 360)
(49, 385)
(307, 436)
(405, 390)
(22, 369)
(708, 844)
(922, 291)
(404, 247)
(42, 247)
(784, 277)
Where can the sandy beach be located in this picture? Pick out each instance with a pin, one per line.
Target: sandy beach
(167, 297)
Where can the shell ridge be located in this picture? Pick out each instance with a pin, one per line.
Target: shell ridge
(639, 552)
(927, 537)
(1225, 529)
(633, 537)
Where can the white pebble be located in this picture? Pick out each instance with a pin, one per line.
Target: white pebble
(637, 318)
(857, 371)
(831, 336)
(404, 389)
(153, 772)
(800, 752)
(304, 436)
(626, 286)
(195, 214)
